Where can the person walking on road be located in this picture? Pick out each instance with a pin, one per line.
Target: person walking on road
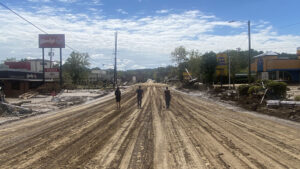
(118, 97)
(167, 97)
(139, 95)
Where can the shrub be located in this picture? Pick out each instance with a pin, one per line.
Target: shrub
(297, 98)
(254, 90)
(243, 90)
(277, 90)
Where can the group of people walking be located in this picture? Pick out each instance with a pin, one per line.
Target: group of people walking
(140, 94)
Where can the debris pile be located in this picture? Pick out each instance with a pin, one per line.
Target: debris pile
(8, 109)
(40, 102)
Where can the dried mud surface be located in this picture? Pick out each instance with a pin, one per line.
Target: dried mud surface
(193, 133)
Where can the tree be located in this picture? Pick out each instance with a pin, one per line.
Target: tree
(238, 63)
(67, 81)
(208, 66)
(179, 55)
(194, 63)
(77, 66)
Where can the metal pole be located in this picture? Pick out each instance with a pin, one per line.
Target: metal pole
(51, 55)
(115, 70)
(249, 57)
(228, 68)
(43, 66)
(60, 68)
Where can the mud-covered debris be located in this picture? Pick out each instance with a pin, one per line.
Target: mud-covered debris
(8, 109)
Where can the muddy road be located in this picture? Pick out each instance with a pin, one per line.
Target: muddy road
(193, 133)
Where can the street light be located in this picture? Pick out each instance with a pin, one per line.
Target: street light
(249, 49)
(249, 56)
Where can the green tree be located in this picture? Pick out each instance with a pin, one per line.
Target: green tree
(194, 64)
(77, 66)
(208, 67)
(179, 55)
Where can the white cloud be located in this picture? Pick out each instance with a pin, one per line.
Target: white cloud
(96, 2)
(138, 67)
(163, 11)
(122, 11)
(39, 0)
(68, 1)
(142, 42)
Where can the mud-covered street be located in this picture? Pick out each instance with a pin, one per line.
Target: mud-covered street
(193, 133)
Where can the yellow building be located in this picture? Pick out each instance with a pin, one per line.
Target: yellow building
(269, 66)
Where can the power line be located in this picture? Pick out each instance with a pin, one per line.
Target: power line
(40, 29)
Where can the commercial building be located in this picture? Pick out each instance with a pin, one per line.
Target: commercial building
(270, 66)
(33, 65)
(97, 75)
(20, 77)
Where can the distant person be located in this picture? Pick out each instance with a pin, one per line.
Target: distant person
(139, 94)
(118, 97)
(1, 94)
(167, 97)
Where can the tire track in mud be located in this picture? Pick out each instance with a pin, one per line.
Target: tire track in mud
(193, 133)
(216, 122)
(37, 143)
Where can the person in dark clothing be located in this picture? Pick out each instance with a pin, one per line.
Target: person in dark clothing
(139, 95)
(1, 94)
(167, 97)
(118, 97)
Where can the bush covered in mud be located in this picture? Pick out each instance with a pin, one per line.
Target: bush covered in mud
(243, 90)
(255, 90)
(276, 90)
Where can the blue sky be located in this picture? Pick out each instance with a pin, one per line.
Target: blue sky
(149, 29)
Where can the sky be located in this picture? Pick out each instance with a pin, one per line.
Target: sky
(148, 30)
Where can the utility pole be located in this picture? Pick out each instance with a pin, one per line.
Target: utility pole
(51, 54)
(115, 70)
(228, 56)
(249, 56)
(60, 69)
(43, 65)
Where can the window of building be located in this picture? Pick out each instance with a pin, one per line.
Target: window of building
(272, 75)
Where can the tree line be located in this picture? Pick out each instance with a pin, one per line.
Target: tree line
(201, 66)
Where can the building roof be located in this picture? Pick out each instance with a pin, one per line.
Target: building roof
(27, 80)
(268, 53)
(38, 60)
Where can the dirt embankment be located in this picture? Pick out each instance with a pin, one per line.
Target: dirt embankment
(193, 133)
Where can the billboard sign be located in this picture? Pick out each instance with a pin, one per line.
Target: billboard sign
(51, 73)
(222, 68)
(186, 76)
(51, 41)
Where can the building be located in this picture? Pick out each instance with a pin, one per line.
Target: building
(20, 77)
(33, 65)
(97, 75)
(270, 66)
(16, 82)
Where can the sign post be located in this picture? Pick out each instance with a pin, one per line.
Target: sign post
(43, 65)
(60, 68)
(222, 66)
(52, 41)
